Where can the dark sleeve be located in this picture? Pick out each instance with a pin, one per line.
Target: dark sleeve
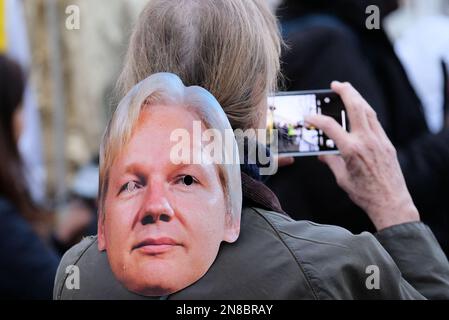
(344, 266)
(317, 56)
(425, 163)
(27, 265)
(419, 257)
(410, 265)
(403, 262)
(371, 257)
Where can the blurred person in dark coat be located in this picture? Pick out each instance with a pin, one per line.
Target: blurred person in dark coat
(328, 40)
(27, 265)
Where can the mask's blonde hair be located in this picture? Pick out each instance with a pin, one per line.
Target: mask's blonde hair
(229, 47)
(167, 89)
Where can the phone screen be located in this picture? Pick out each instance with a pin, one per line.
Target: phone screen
(287, 130)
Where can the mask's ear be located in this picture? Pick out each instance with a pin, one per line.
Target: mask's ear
(232, 228)
(101, 233)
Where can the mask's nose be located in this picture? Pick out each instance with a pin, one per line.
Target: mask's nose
(149, 219)
(156, 206)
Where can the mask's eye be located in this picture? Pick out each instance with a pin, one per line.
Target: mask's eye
(187, 180)
(129, 187)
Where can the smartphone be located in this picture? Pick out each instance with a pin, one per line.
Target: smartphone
(289, 135)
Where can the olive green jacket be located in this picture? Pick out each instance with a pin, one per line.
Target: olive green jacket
(276, 257)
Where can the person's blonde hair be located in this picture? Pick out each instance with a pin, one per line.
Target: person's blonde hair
(229, 47)
(166, 89)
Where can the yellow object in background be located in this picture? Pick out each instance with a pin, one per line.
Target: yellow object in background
(3, 38)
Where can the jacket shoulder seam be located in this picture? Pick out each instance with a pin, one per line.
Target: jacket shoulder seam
(314, 241)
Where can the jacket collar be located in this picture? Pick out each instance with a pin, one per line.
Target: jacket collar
(256, 194)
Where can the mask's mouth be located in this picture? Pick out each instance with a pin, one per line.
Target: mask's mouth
(153, 246)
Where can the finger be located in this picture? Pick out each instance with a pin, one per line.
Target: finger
(285, 161)
(337, 166)
(331, 128)
(354, 103)
(376, 126)
(372, 122)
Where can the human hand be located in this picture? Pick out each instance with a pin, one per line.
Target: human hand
(368, 168)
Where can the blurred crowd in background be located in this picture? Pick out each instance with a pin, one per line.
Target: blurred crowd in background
(53, 111)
